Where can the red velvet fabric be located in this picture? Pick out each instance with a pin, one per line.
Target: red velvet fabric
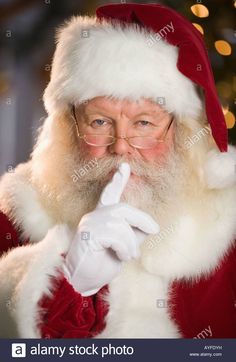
(192, 53)
(9, 235)
(209, 301)
(69, 315)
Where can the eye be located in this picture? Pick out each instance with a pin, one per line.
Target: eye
(98, 122)
(143, 123)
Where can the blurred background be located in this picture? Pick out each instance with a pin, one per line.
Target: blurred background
(27, 46)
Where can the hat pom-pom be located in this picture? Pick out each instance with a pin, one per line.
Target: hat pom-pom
(220, 168)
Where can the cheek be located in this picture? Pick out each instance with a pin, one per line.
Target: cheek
(163, 148)
(153, 154)
(93, 152)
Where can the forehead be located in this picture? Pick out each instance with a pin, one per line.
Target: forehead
(129, 108)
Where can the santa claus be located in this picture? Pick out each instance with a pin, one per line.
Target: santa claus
(122, 223)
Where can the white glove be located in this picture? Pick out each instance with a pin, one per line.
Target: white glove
(105, 237)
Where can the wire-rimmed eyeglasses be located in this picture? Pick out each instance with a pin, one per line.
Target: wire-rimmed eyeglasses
(102, 140)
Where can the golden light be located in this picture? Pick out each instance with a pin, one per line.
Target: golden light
(235, 4)
(198, 27)
(225, 109)
(230, 119)
(223, 47)
(200, 10)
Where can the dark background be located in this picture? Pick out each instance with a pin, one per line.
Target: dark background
(27, 46)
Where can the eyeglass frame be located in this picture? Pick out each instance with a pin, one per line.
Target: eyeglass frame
(73, 114)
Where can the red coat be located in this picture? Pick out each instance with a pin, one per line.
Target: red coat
(206, 304)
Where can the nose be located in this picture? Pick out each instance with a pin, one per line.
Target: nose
(121, 147)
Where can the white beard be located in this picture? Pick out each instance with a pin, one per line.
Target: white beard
(155, 191)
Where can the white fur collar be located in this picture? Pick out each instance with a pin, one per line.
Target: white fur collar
(196, 242)
(20, 202)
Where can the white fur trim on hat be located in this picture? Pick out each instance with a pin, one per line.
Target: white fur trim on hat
(102, 59)
(220, 168)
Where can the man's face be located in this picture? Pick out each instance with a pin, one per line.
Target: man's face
(123, 118)
(156, 173)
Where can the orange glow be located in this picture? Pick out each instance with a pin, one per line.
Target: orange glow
(230, 120)
(223, 47)
(200, 10)
(225, 109)
(198, 27)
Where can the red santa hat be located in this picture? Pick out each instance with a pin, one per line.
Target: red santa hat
(133, 51)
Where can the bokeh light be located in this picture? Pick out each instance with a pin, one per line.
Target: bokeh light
(200, 10)
(198, 27)
(223, 47)
(230, 119)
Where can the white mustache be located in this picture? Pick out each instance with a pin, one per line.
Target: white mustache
(139, 167)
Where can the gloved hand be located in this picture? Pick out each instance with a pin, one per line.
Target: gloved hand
(105, 237)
